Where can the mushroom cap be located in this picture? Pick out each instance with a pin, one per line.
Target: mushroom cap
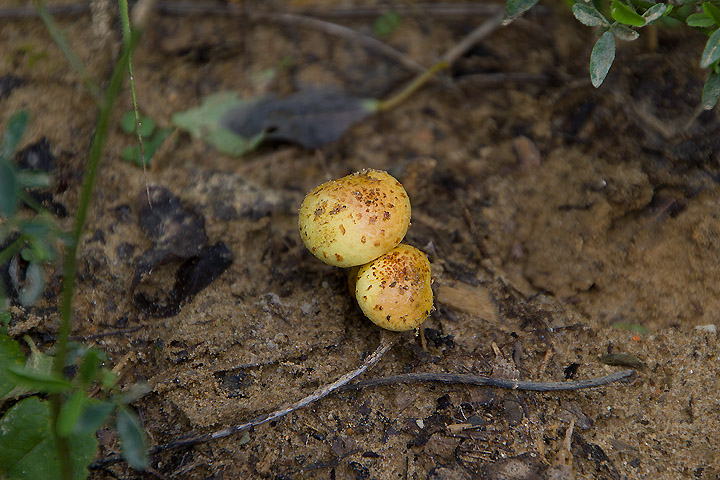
(394, 291)
(355, 219)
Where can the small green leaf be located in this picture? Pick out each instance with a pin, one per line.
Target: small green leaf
(127, 122)
(4, 322)
(132, 153)
(9, 188)
(204, 122)
(107, 378)
(135, 392)
(699, 20)
(27, 255)
(10, 356)
(626, 15)
(37, 227)
(589, 15)
(623, 32)
(13, 134)
(515, 8)
(147, 126)
(69, 413)
(712, 11)
(4, 304)
(41, 233)
(33, 179)
(38, 382)
(386, 24)
(229, 142)
(711, 54)
(26, 440)
(89, 366)
(41, 250)
(601, 58)
(38, 363)
(93, 416)
(132, 439)
(655, 12)
(711, 91)
(28, 446)
(159, 138)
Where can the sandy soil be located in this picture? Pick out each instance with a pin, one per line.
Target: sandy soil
(560, 222)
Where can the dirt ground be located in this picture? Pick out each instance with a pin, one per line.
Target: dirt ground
(564, 224)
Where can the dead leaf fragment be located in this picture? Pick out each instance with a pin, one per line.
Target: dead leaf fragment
(309, 118)
(466, 298)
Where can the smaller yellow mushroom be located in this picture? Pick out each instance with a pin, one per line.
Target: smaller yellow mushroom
(355, 219)
(394, 290)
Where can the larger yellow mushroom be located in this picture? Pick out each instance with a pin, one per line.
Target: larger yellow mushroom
(355, 219)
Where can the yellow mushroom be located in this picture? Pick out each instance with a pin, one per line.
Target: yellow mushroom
(394, 290)
(355, 219)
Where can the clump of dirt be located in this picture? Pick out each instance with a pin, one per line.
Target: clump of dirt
(560, 221)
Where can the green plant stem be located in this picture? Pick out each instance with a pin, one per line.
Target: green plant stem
(59, 39)
(127, 35)
(414, 86)
(70, 266)
(61, 443)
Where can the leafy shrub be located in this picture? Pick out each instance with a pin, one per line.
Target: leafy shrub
(621, 20)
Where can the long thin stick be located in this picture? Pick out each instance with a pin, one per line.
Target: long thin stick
(480, 33)
(386, 343)
(490, 382)
(341, 385)
(343, 32)
(442, 10)
(450, 57)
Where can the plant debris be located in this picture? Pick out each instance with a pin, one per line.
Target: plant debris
(309, 118)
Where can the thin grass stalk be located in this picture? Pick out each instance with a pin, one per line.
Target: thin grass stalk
(59, 39)
(70, 265)
(127, 35)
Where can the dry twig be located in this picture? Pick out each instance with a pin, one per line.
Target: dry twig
(341, 385)
(343, 32)
(477, 380)
(480, 33)
(444, 10)
(386, 343)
